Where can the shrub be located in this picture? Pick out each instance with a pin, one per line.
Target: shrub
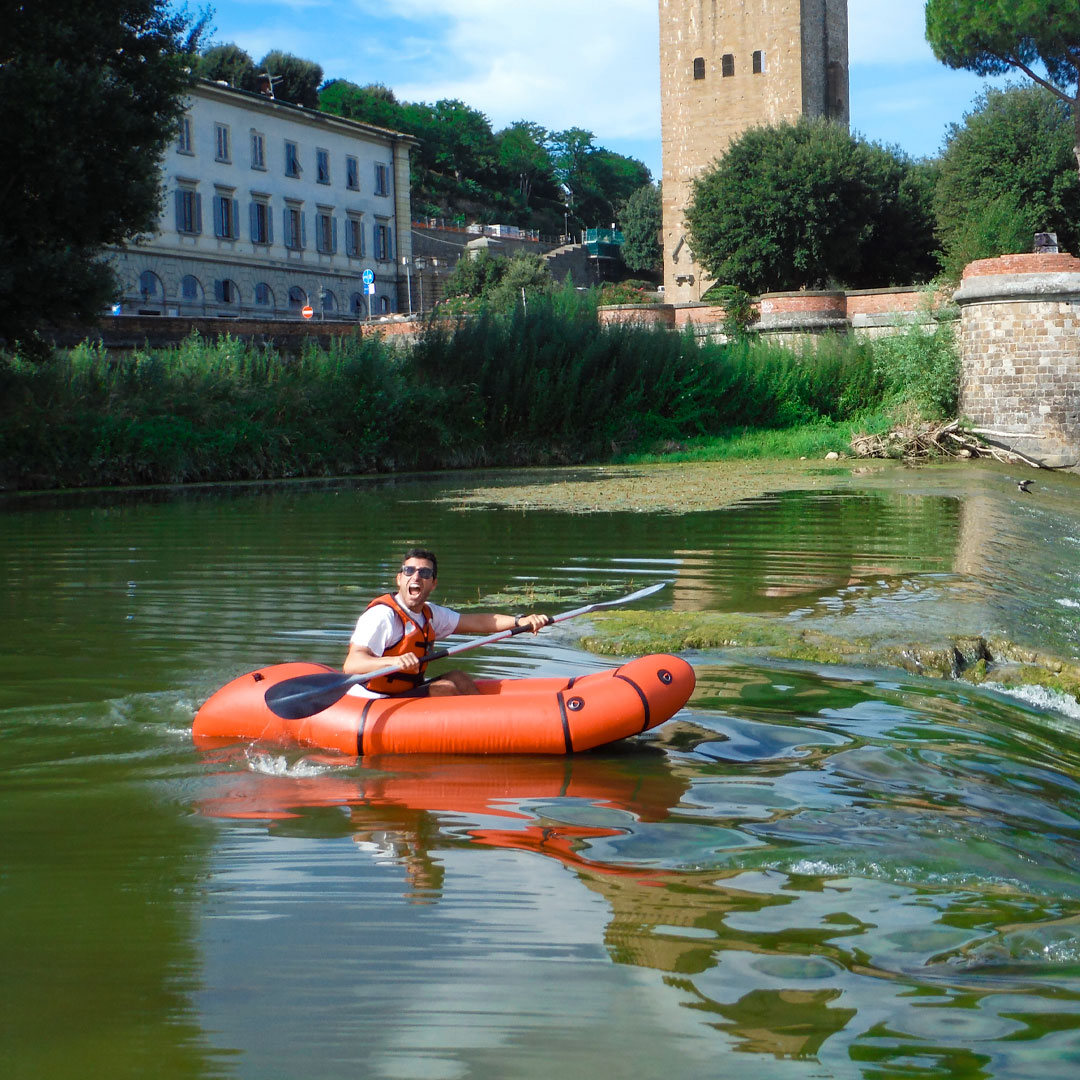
(921, 368)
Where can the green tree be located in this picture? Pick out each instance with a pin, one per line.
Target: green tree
(522, 153)
(640, 220)
(371, 104)
(615, 178)
(499, 282)
(524, 276)
(799, 205)
(475, 275)
(230, 64)
(1041, 38)
(295, 80)
(460, 139)
(90, 95)
(1006, 172)
(901, 247)
(571, 150)
(1000, 226)
(597, 180)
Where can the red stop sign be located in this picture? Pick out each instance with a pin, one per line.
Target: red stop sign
(307, 311)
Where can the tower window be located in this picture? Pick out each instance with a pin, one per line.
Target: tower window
(727, 65)
(759, 61)
(699, 67)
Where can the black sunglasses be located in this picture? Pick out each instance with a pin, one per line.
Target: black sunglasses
(425, 572)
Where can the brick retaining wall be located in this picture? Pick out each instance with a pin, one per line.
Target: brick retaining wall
(1020, 343)
(791, 315)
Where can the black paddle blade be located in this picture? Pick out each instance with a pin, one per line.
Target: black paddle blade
(306, 695)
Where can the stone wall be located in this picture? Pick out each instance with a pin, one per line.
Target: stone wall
(788, 316)
(1020, 343)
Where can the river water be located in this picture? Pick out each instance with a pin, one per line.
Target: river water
(810, 872)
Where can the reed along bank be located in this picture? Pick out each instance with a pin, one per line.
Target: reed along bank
(537, 386)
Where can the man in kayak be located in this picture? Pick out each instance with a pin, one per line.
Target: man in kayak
(400, 629)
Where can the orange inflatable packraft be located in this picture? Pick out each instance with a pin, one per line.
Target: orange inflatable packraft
(509, 716)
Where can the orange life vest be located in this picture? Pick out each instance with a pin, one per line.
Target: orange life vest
(416, 638)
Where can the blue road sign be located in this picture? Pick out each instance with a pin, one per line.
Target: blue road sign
(369, 276)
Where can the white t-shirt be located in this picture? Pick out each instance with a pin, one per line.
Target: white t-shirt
(379, 627)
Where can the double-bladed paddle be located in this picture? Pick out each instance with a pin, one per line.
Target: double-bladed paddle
(306, 695)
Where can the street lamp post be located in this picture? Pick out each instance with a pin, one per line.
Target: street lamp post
(406, 262)
(421, 263)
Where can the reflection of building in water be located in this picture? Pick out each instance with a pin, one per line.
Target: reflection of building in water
(980, 523)
(807, 1021)
(779, 552)
(676, 922)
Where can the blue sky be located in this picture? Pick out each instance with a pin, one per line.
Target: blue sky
(582, 63)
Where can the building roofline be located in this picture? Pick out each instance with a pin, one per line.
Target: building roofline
(315, 116)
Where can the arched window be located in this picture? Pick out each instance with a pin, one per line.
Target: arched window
(297, 298)
(384, 305)
(759, 61)
(329, 302)
(727, 65)
(357, 305)
(191, 290)
(699, 67)
(151, 294)
(150, 287)
(264, 295)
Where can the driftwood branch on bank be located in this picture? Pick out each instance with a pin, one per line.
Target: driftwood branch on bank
(917, 442)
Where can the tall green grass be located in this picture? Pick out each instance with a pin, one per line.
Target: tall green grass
(546, 384)
(218, 410)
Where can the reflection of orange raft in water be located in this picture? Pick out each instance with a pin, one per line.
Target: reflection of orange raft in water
(511, 802)
(510, 716)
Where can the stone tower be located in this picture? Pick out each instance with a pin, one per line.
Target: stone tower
(725, 66)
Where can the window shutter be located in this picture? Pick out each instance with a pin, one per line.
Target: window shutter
(218, 224)
(236, 219)
(269, 224)
(253, 220)
(303, 229)
(179, 211)
(333, 235)
(219, 291)
(198, 212)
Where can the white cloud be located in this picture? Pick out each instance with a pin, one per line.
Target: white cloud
(562, 63)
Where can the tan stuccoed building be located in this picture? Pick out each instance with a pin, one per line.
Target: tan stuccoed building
(726, 66)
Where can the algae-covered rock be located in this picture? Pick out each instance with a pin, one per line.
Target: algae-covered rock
(621, 633)
(970, 658)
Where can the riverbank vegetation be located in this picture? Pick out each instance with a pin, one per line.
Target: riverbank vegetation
(972, 659)
(543, 384)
